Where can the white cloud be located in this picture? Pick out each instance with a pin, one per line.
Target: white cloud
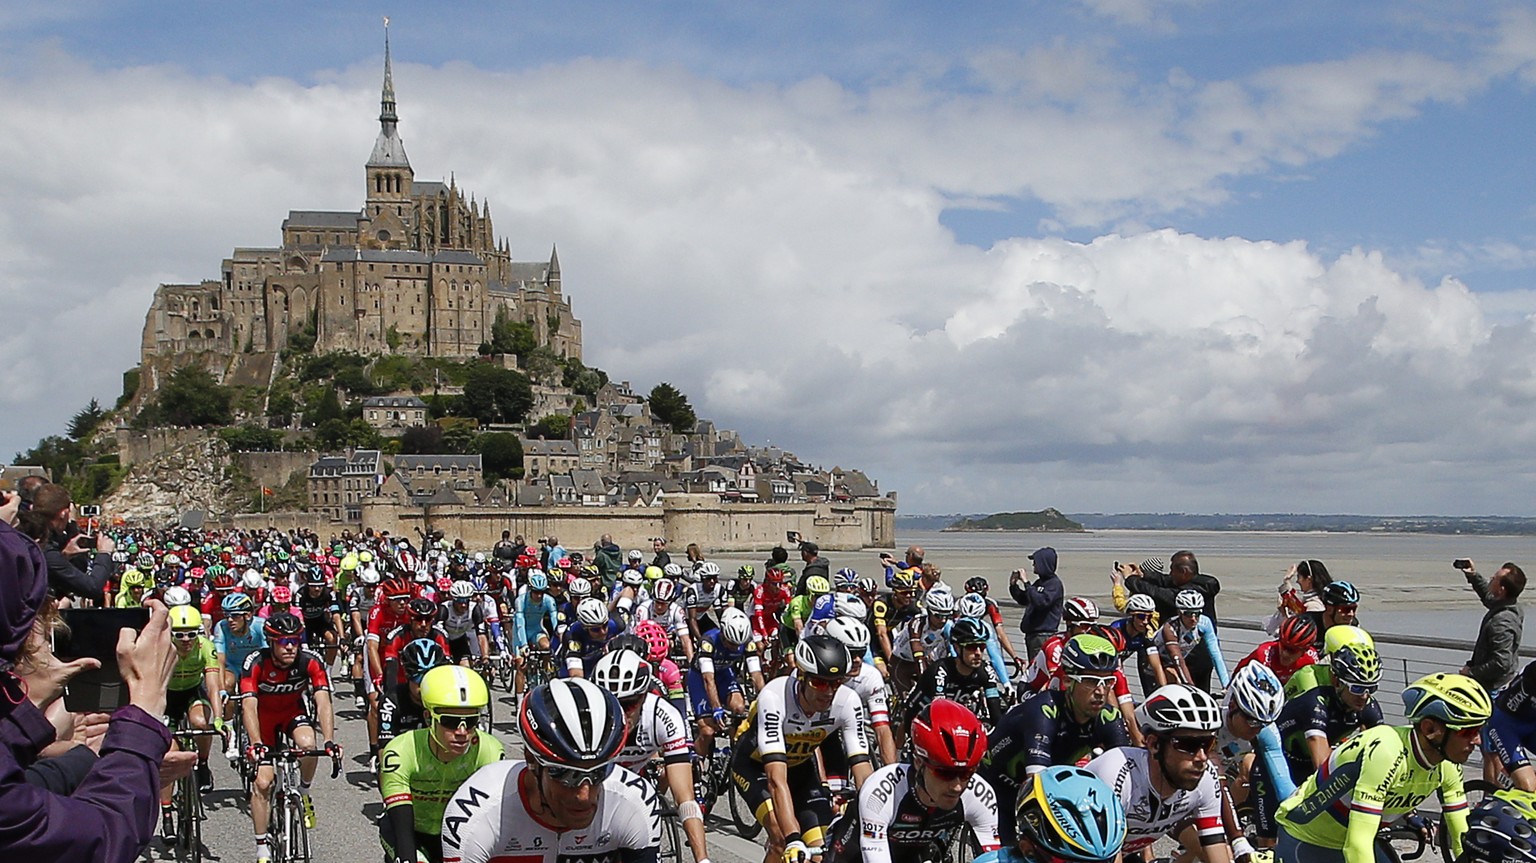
(778, 255)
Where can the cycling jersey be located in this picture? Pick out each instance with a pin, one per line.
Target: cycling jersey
(797, 609)
(188, 671)
(237, 647)
(706, 598)
(1511, 732)
(871, 689)
(361, 599)
(487, 822)
(1268, 654)
(977, 690)
(459, 622)
(887, 823)
(1319, 713)
(1193, 638)
(1149, 815)
(777, 729)
(767, 604)
(212, 606)
(625, 599)
(658, 729)
(582, 650)
(674, 620)
(397, 642)
(1377, 775)
(1122, 693)
(317, 611)
(410, 775)
(280, 692)
(1307, 678)
(934, 640)
(532, 618)
(716, 656)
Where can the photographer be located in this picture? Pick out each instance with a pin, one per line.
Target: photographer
(65, 547)
(1497, 650)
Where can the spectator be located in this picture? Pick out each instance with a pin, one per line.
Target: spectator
(1183, 574)
(557, 552)
(505, 550)
(779, 555)
(66, 577)
(1042, 600)
(609, 559)
(659, 547)
(914, 557)
(1300, 593)
(27, 487)
(111, 813)
(815, 564)
(1497, 650)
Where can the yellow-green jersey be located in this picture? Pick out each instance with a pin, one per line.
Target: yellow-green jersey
(1377, 774)
(410, 775)
(188, 671)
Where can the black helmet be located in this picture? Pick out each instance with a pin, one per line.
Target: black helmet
(628, 641)
(423, 608)
(421, 656)
(967, 630)
(572, 723)
(822, 656)
(284, 623)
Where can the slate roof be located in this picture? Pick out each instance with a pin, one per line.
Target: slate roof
(411, 463)
(321, 219)
(393, 402)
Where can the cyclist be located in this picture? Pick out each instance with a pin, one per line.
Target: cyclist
(655, 729)
(666, 676)
(904, 810)
(768, 602)
(1501, 829)
(361, 596)
(714, 687)
(1187, 634)
(1170, 783)
(743, 589)
(1078, 613)
(888, 616)
(1341, 604)
(1511, 732)
(973, 606)
(1057, 726)
(419, 771)
(1139, 627)
(868, 683)
(774, 763)
(705, 599)
(321, 611)
(235, 638)
(211, 604)
(966, 677)
(400, 706)
(273, 688)
(663, 608)
(1065, 815)
(922, 641)
(195, 684)
(130, 589)
(1289, 652)
(564, 800)
(980, 586)
(1320, 673)
(586, 641)
(630, 592)
(1247, 733)
(1384, 773)
(797, 612)
(462, 620)
(533, 622)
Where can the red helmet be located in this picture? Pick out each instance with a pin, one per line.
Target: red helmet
(1114, 634)
(1298, 633)
(223, 581)
(282, 595)
(948, 735)
(396, 588)
(774, 576)
(564, 563)
(444, 583)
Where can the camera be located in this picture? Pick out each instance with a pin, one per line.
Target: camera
(1461, 563)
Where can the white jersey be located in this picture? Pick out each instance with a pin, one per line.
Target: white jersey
(674, 620)
(935, 641)
(871, 689)
(704, 598)
(1148, 815)
(890, 814)
(487, 820)
(779, 730)
(658, 729)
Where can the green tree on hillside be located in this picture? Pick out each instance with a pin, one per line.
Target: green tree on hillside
(496, 395)
(669, 405)
(86, 421)
(191, 397)
(512, 337)
(501, 456)
(552, 427)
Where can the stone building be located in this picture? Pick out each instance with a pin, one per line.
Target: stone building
(392, 415)
(418, 269)
(339, 483)
(426, 473)
(546, 457)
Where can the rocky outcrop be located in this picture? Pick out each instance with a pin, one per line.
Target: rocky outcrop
(193, 476)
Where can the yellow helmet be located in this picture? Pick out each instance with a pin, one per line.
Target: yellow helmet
(450, 686)
(817, 585)
(133, 578)
(1455, 699)
(349, 562)
(186, 617)
(365, 557)
(652, 573)
(1338, 636)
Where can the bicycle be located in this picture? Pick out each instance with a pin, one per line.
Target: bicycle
(188, 802)
(290, 835)
(672, 842)
(243, 765)
(721, 782)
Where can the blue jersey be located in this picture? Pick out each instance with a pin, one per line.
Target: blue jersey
(531, 619)
(237, 647)
(582, 649)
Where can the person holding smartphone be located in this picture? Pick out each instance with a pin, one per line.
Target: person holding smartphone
(69, 574)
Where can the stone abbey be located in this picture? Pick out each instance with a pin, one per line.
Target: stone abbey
(418, 270)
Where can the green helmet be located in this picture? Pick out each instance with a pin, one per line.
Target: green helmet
(1455, 699)
(1356, 663)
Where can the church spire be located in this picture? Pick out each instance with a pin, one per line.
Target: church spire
(387, 116)
(388, 150)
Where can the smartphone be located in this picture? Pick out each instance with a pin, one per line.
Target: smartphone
(90, 511)
(93, 632)
(885, 555)
(1461, 563)
(792, 535)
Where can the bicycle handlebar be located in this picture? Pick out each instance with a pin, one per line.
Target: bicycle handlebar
(296, 754)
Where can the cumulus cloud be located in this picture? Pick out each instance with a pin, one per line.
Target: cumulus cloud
(777, 253)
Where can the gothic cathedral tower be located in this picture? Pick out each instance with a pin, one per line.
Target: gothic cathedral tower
(389, 209)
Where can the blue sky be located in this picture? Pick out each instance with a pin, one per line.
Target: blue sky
(1010, 240)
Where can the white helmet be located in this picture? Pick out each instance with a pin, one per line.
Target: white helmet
(664, 590)
(462, 590)
(1179, 707)
(939, 602)
(848, 605)
(1140, 603)
(1189, 600)
(672, 571)
(971, 605)
(370, 575)
(579, 587)
(850, 632)
(177, 595)
(1080, 609)
(592, 612)
(735, 626)
(623, 673)
(1256, 691)
(632, 578)
(479, 557)
(252, 580)
(709, 569)
(424, 577)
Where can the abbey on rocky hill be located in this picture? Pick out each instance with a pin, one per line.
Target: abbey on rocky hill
(418, 270)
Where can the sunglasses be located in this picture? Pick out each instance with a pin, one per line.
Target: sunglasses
(1194, 745)
(1141, 615)
(291, 641)
(979, 646)
(575, 777)
(454, 721)
(1468, 734)
(823, 684)
(240, 615)
(597, 630)
(185, 634)
(951, 774)
(1345, 609)
(1097, 682)
(1361, 688)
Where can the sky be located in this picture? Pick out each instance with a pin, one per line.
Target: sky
(1098, 255)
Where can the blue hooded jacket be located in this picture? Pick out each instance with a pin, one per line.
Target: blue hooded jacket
(111, 814)
(1042, 598)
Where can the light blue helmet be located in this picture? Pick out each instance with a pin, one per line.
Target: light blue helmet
(538, 581)
(1072, 814)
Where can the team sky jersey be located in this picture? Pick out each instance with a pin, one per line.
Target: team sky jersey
(1149, 815)
(410, 775)
(658, 729)
(531, 618)
(582, 650)
(1192, 638)
(317, 610)
(400, 637)
(1379, 774)
(777, 729)
(382, 621)
(894, 827)
(978, 691)
(281, 691)
(1268, 654)
(236, 648)
(1319, 713)
(487, 821)
(188, 671)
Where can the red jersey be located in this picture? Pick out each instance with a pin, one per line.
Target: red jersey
(399, 638)
(281, 691)
(767, 603)
(1268, 654)
(382, 621)
(1043, 667)
(212, 608)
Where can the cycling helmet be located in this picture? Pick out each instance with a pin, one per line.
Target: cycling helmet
(579, 588)
(592, 612)
(976, 584)
(632, 578)
(315, 578)
(572, 723)
(634, 554)
(396, 588)
(1140, 603)
(348, 562)
(672, 571)
(627, 641)
(1089, 653)
(1341, 635)
(848, 605)
(822, 656)
(133, 578)
(971, 605)
(652, 573)
(284, 623)
(1298, 633)
(774, 575)
(1340, 593)
(735, 626)
(171, 560)
(186, 617)
(282, 595)
(1356, 663)
(1189, 601)
(446, 686)
(940, 602)
(1071, 815)
(461, 591)
(851, 632)
(369, 576)
(844, 578)
(664, 590)
(538, 581)
(1079, 610)
(1499, 830)
(946, 734)
(1178, 707)
(423, 577)
(421, 656)
(1455, 699)
(658, 643)
(145, 560)
(866, 585)
(479, 557)
(444, 584)
(709, 569)
(967, 630)
(816, 585)
(623, 673)
(423, 608)
(252, 580)
(1256, 691)
(168, 577)
(238, 603)
(747, 571)
(175, 596)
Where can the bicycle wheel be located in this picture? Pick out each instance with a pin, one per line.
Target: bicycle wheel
(671, 838)
(184, 842)
(742, 818)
